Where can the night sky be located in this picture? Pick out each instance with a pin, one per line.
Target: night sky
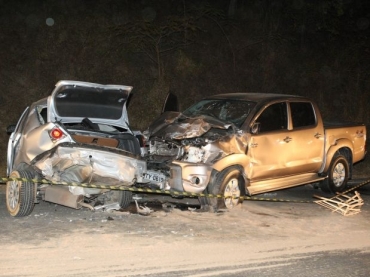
(319, 49)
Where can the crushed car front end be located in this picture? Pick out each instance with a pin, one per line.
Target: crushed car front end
(186, 146)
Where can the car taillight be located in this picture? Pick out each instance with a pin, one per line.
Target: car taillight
(56, 134)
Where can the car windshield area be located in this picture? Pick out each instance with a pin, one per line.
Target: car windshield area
(234, 111)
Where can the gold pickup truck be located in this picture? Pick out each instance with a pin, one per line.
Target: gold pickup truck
(249, 143)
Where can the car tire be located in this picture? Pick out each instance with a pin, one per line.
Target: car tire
(227, 184)
(338, 175)
(124, 198)
(20, 195)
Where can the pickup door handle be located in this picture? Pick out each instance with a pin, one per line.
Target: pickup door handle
(287, 139)
(317, 135)
(253, 145)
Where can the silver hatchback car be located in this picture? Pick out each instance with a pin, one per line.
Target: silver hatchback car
(80, 133)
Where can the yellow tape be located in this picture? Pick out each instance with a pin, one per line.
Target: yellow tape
(168, 192)
(356, 187)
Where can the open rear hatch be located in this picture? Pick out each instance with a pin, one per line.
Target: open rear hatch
(72, 101)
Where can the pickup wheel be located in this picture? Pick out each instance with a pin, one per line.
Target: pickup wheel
(227, 184)
(20, 195)
(337, 175)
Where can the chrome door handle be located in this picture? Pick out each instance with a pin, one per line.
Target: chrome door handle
(253, 145)
(287, 139)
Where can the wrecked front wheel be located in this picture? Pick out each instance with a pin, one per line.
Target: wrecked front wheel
(20, 195)
(227, 186)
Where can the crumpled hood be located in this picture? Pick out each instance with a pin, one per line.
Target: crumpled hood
(174, 125)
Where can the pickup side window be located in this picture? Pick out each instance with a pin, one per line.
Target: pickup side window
(303, 114)
(273, 118)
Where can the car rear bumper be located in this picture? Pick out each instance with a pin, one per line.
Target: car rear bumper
(71, 162)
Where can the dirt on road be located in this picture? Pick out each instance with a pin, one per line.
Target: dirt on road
(60, 241)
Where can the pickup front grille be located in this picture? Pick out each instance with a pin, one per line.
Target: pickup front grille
(175, 180)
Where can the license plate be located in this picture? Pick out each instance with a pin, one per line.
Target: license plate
(154, 177)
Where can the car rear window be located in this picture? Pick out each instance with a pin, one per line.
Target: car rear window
(89, 102)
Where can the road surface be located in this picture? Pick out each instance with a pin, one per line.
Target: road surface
(258, 238)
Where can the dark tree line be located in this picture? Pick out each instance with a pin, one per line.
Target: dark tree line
(316, 48)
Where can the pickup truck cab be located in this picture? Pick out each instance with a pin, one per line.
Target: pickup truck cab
(249, 143)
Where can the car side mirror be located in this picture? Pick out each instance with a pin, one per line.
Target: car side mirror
(255, 129)
(10, 129)
(171, 103)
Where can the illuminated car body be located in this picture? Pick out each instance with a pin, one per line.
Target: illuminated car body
(80, 133)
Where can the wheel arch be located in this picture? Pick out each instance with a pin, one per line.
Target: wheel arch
(24, 166)
(344, 150)
(240, 160)
(239, 167)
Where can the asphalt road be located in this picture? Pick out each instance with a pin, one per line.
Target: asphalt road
(261, 238)
(328, 264)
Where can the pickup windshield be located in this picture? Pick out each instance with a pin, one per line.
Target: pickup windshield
(234, 111)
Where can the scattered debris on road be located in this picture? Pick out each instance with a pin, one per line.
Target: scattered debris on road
(342, 203)
(143, 210)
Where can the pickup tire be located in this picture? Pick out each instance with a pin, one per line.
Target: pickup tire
(20, 195)
(227, 184)
(337, 175)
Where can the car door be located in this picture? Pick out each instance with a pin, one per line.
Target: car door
(269, 147)
(14, 141)
(307, 138)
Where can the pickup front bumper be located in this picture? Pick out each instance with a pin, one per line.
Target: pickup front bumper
(189, 177)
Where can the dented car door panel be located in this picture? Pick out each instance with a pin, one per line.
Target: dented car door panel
(270, 150)
(270, 156)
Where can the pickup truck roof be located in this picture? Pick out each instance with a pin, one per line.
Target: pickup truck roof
(260, 99)
(255, 96)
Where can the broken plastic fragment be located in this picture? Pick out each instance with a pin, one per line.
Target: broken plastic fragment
(108, 207)
(142, 209)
